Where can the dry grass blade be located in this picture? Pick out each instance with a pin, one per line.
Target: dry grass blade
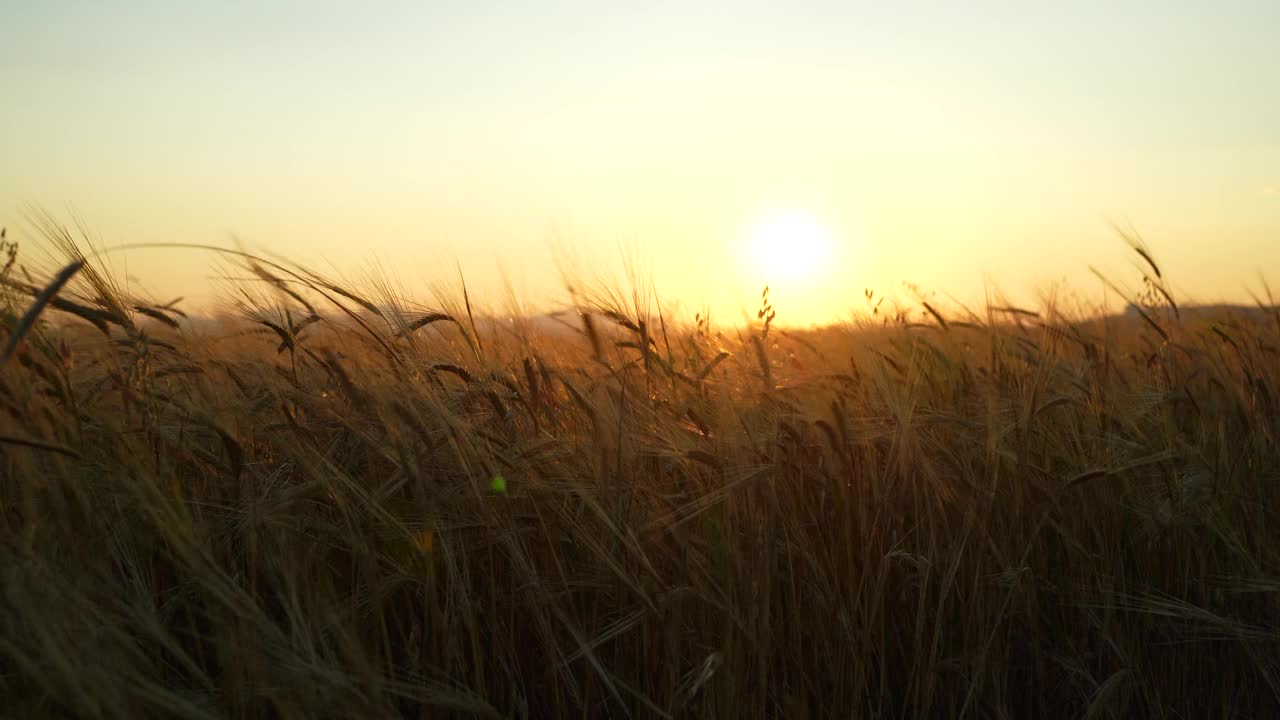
(99, 318)
(1141, 311)
(157, 315)
(621, 320)
(936, 315)
(1168, 297)
(711, 366)
(1095, 473)
(28, 319)
(424, 321)
(453, 369)
(355, 298)
(285, 340)
(1088, 475)
(705, 458)
(292, 336)
(1135, 241)
(39, 445)
(589, 327)
(471, 318)
(762, 357)
(1011, 310)
(696, 678)
(277, 282)
(618, 627)
(1109, 693)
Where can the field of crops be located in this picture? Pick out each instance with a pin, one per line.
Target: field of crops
(335, 502)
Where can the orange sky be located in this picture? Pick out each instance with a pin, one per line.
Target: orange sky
(941, 146)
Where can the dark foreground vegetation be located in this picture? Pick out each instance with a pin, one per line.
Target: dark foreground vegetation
(341, 504)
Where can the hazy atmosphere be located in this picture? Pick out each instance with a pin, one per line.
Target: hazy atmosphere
(945, 144)
(671, 360)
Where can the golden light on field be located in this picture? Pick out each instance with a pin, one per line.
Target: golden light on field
(789, 245)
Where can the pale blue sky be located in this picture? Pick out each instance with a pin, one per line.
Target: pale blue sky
(940, 142)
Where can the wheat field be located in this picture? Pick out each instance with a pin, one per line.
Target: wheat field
(332, 501)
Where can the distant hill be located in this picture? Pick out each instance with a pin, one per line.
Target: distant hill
(1217, 310)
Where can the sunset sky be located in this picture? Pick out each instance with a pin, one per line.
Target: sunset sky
(949, 145)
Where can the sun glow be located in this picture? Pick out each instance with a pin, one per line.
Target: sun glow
(789, 245)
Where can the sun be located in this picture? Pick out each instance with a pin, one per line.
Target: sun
(789, 245)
